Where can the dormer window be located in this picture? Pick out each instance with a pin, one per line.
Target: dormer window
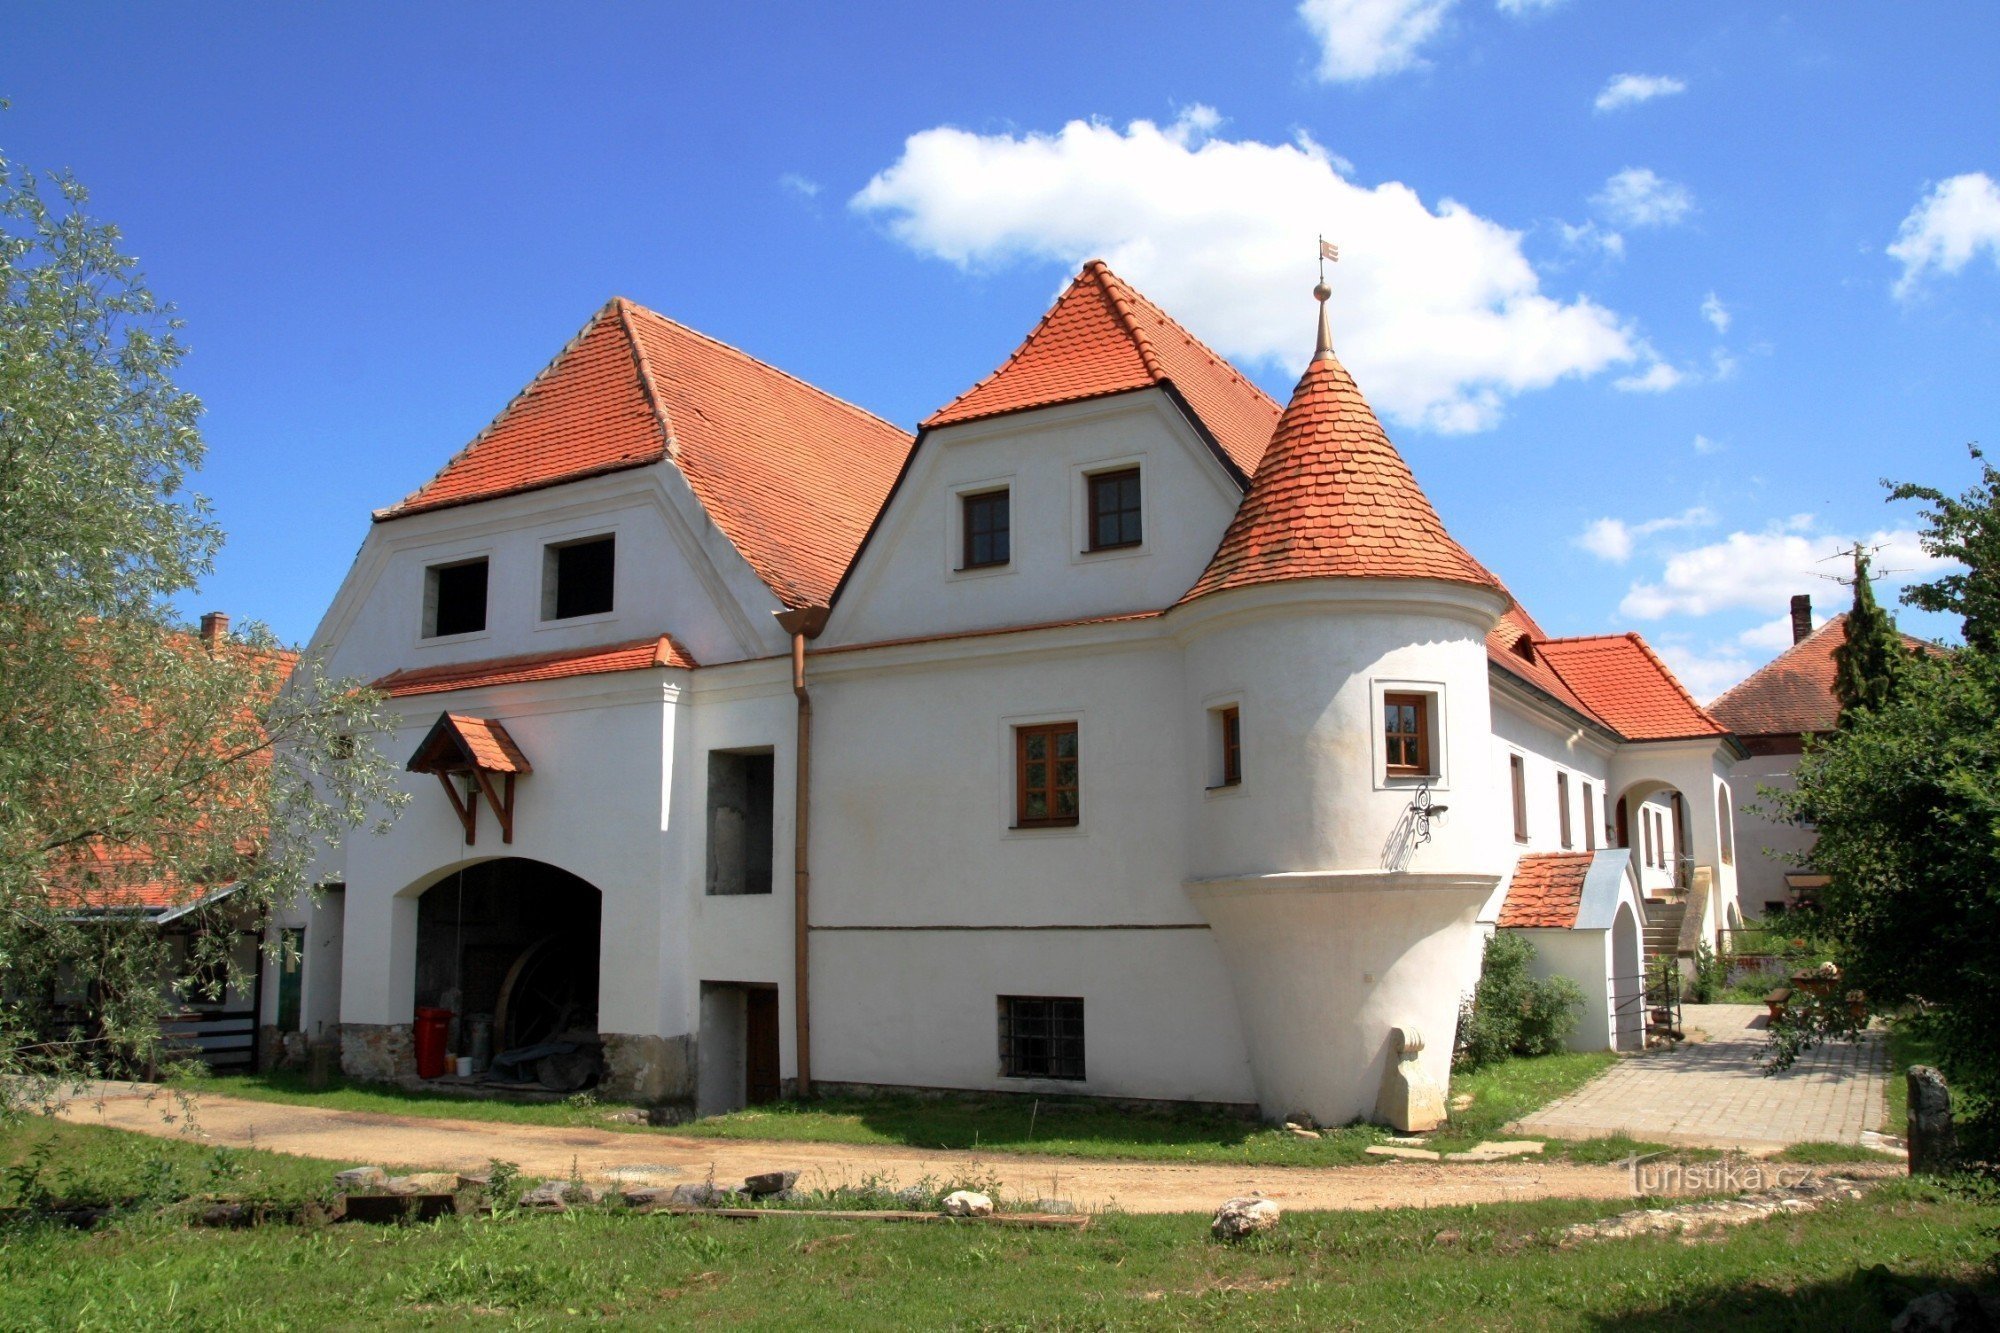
(455, 598)
(988, 530)
(576, 577)
(1114, 509)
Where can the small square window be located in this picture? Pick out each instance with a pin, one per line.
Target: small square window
(1041, 1037)
(455, 598)
(988, 539)
(1046, 789)
(1114, 510)
(1406, 734)
(577, 578)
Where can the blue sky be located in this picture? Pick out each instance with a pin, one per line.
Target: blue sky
(1649, 342)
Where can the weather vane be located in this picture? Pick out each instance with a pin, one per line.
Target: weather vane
(1327, 250)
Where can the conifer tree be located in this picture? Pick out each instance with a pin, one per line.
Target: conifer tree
(1865, 665)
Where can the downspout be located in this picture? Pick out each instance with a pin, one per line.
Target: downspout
(802, 623)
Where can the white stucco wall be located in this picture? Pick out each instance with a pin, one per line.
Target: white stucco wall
(1761, 843)
(907, 581)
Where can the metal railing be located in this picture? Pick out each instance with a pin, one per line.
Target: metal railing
(1655, 1005)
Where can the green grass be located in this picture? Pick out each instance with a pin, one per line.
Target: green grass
(1852, 1265)
(1507, 1091)
(387, 1099)
(1830, 1154)
(1062, 1127)
(92, 1165)
(1906, 1048)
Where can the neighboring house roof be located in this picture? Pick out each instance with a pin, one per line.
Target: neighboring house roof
(1546, 891)
(1792, 695)
(635, 656)
(1102, 337)
(1333, 499)
(790, 474)
(1621, 681)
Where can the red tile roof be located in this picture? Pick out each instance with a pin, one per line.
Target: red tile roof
(1102, 337)
(1546, 891)
(1333, 499)
(1622, 682)
(1510, 645)
(488, 744)
(635, 656)
(790, 474)
(1792, 695)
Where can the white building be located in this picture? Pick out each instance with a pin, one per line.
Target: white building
(1117, 736)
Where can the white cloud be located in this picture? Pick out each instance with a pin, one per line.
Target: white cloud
(1716, 313)
(1704, 445)
(1364, 39)
(803, 186)
(1638, 197)
(1526, 6)
(1613, 539)
(1774, 635)
(1761, 570)
(1707, 674)
(1436, 309)
(1590, 236)
(1947, 229)
(1631, 89)
(1655, 378)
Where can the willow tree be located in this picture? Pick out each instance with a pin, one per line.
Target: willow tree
(140, 766)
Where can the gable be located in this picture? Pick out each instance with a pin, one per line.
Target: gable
(790, 474)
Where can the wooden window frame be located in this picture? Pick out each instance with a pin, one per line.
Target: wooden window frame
(1421, 705)
(1646, 825)
(1589, 818)
(1094, 512)
(1052, 734)
(1231, 719)
(1004, 531)
(1517, 771)
(1056, 1026)
(1564, 825)
(1725, 826)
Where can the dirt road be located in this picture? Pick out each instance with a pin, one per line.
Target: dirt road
(358, 1138)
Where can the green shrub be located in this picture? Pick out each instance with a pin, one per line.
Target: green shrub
(1512, 1012)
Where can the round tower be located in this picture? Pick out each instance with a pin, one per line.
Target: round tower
(1343, 872)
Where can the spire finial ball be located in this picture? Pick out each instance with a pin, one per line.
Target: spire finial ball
(1321, 292)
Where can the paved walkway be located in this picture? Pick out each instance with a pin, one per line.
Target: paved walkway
(1713, 1093)
(661, 1157)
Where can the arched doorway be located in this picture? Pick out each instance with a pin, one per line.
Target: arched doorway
(1628, 1018)
(510, 947)
(1651, 818)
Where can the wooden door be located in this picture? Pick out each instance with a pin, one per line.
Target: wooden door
(760, 1045)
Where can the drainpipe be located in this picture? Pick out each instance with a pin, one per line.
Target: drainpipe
(802, 623)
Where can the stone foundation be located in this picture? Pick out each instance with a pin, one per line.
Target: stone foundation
(649, 1071)
(377, 1052)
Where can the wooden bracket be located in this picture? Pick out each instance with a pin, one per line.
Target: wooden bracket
(467, 808)
(503, 809)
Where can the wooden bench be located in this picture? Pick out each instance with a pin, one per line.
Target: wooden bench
(1776, 1001)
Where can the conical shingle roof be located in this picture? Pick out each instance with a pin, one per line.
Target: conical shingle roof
(1333, 499)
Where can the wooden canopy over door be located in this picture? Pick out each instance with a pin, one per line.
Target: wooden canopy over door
(478, 751)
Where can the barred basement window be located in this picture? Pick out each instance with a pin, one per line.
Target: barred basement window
(1041, 1037)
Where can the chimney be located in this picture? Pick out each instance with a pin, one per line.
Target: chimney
(1801, 617)
(215, 629)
